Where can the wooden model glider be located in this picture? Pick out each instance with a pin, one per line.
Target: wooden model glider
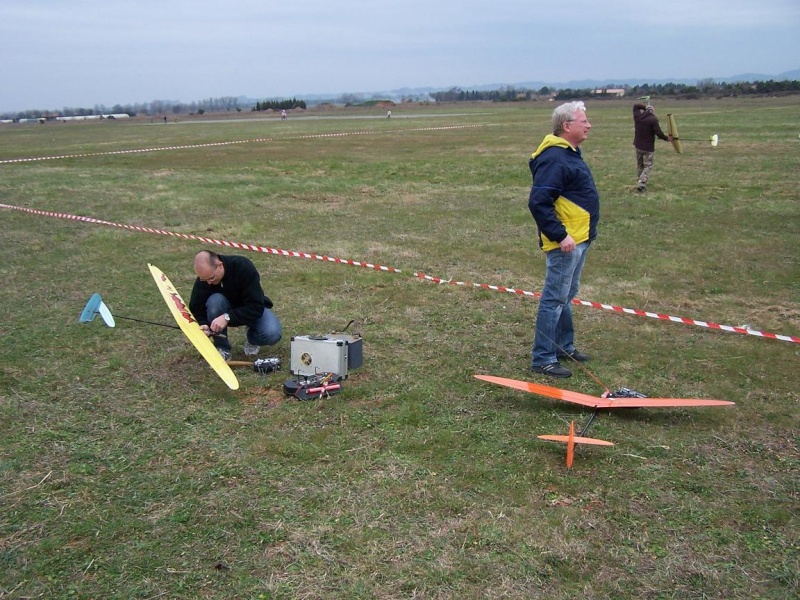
(672, 129)
(192, 330)
(607, 401)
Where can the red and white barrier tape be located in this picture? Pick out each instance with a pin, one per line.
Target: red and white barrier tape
(439, 280)
(230, 143)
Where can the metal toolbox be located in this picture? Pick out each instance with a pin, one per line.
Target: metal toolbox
(312, 355)
(355, 348)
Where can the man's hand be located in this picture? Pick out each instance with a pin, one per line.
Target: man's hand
(219, 324)
(567, 244)
(205, 329)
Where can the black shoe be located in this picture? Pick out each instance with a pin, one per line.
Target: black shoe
(641, 188)
(553, 370)
(574, 355)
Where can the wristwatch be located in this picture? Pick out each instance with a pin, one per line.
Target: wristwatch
(227, 317)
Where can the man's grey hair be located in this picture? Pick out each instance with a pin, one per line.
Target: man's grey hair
(564, 113)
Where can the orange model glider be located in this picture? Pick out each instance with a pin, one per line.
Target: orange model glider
(621, 399)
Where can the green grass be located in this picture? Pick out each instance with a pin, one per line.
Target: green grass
(128, 470)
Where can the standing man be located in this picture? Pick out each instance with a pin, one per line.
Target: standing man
(228, 293)
(646, 129)
(566, 207)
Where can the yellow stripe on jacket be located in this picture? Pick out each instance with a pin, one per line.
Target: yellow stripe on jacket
(575, 220)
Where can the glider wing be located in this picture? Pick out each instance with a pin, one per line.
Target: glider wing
(191, 329)
(106, 315)
(546, 390)
(595, 402)
(662, 402)
(91, 308)
(96, 306)
(672, 129)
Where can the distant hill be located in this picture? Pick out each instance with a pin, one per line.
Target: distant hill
(422, 92)
(600, 83)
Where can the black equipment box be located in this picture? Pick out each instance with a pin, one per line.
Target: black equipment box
(323, 385)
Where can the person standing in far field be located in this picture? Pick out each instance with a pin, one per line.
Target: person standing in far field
(646, 128)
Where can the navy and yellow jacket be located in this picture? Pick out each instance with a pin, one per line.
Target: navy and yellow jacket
(564, 199)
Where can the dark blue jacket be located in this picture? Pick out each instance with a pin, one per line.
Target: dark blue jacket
(563, 199)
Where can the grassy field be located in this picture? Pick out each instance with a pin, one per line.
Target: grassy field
(128, 470)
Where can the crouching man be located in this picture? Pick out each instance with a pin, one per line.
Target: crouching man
(228, 293)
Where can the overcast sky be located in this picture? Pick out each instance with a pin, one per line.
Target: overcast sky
(79, 53)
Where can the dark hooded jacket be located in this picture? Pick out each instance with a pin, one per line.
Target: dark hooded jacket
(646, 129)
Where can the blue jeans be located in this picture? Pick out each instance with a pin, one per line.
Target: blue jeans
(266, 331)
(554, 329)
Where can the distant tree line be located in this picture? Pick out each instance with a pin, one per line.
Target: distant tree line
(507, 94)
(155, 108)
(279, 104)
(708, 87)
(702, 89)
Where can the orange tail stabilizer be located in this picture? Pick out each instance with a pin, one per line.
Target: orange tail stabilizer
(571, 440)
(571, 444)
(576, 439)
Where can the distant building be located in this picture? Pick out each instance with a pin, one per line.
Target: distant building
(94, 117)
(616, 92)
